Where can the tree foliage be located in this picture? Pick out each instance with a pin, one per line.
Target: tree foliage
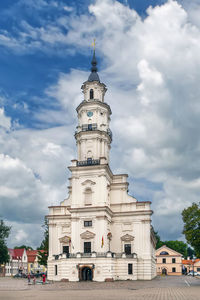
(43, 256)
(191, 220)
(190, 252)
(23, 247)
(178, 246)
(159, 243)
(4, 233)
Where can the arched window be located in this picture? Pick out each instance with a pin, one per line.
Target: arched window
(164, 253)
(91, 94)
(88, 196)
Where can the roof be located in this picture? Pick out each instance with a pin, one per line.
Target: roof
(16, 253)
(94, 75)
(189, 261)
(31, 254)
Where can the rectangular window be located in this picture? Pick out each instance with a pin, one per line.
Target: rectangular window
(173, 270)
(89, 126)
(127, 248)
(87, 223)
(130, 269)
(198, 269)
(87, 247)
(173, 260)
(164, 260)
(56, 270)
(65, 249)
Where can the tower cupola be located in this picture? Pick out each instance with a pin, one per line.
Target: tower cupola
(94, 75)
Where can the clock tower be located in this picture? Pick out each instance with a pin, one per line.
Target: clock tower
(93, 135)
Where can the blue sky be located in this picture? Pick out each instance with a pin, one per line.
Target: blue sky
(148, 56)
(25, 74)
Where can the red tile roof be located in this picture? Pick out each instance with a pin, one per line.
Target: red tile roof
(16, 253)
(32, 255)
(189, 261)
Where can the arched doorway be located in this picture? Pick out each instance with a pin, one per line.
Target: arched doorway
(164, 271)
(86, 274)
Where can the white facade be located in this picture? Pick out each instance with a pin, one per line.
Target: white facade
(99, 232)
(18, 262)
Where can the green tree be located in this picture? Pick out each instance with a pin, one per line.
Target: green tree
(4, 233)
(23, 247)
(159, 243)
(43, 256)
(178, 246)
(190, 252)
(191, 220)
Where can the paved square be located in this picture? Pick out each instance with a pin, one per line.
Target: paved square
(161, 288)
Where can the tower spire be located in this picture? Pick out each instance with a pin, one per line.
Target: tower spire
(94, 75)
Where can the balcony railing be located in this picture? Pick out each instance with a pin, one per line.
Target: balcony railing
(109, 132)
(88, 162)
(95, 254)
(89, 127)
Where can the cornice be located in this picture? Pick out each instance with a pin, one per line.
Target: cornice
(91, 209)
(88, 103)
(58, 216)
(132, 213)
(93, 167)
(101, 133)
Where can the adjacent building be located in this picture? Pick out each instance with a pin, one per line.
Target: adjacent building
(168, 261)
(33, 263)
(99, 232)
(191, 265)
(18, 262)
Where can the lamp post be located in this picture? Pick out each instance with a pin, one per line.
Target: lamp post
(193, 260)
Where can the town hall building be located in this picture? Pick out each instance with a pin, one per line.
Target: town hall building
(99, 232)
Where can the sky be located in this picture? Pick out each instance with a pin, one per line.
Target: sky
(148, 55)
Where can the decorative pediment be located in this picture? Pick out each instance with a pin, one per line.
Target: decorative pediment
(88, 182)
(127, 238)
(87, 235)
(65, 239)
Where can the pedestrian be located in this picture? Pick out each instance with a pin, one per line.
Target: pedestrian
(43, 279)
(34, 280)
(29, 278)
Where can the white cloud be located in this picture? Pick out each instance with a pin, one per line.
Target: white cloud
(152, 69)
(5, 121)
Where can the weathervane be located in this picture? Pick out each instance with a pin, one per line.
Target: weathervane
(94, 44)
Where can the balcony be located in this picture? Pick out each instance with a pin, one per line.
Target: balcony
(89, 127)
(94, 254)
(88, 162)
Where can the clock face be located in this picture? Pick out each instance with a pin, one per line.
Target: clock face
(89, 113)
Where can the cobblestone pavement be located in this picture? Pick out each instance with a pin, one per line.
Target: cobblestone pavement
(161, 288)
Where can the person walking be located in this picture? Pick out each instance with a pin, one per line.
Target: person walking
(43, 279)
(29, 278)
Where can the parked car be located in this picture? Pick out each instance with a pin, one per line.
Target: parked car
(193, 272)
(20, 275)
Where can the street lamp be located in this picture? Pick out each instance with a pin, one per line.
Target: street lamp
(193, 260)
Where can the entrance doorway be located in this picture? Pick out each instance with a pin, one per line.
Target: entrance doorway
(164, 271)
(86, 274)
